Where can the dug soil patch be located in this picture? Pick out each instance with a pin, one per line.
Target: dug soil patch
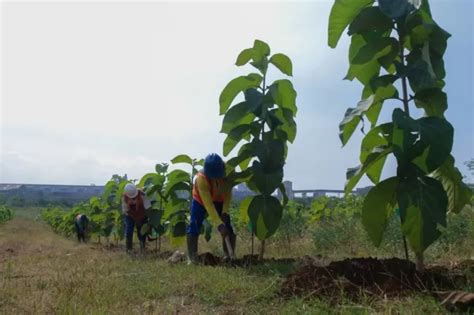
(358, 277)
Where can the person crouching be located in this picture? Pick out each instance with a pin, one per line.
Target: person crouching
(134, 204)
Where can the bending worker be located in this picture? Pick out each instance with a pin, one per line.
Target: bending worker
(81, 222)
(210, 198)
(134, 204)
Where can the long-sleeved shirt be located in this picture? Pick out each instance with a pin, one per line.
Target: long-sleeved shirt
(146, 204)
(202, 184)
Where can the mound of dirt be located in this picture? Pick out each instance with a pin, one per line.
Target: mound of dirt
(368, 276)
(209, 259)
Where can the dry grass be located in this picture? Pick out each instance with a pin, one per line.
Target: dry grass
(41, 272)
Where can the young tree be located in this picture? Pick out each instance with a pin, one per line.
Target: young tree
(396, 52)
(264, 121)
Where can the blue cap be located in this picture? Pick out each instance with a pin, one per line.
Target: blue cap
(214, 166)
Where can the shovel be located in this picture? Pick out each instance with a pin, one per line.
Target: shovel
(230, 250)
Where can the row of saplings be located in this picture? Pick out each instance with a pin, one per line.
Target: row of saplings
(396, 52)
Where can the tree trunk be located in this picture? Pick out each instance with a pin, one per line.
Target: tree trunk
(262, 250)
(420, 264)
(253, 237)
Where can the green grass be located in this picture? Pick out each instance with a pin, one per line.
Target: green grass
(42, 272)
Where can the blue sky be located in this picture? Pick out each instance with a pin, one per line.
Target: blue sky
(93, 89)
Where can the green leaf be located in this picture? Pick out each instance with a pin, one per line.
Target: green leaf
(265, 214)
(364, 73)
(377, 137)
(146, 228)
(238, 115)
(266, 181)
(283, 63)
(342, 14)
(244, 209)
(378, 208)
(396, 8)
(270, 153)
(352, 118)
(459, 194)
(244, 57)
(426, 141)
(433, 101)
(289, 125)
(284, 94)
(235, 136)
(176, 176)
(234, 87)
(182, 158)
(261, 49)
(370, 19)
(373, 164)
(423, 206)
(282, 189)
(374, 50)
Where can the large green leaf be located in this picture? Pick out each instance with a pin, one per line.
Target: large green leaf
(459, 194)
(182, 158)
(352, 118)
(376, 137)
(426, 141)
(365, 72)
(342, 14)
(266, 181)
(178, 175)
(378, 208)
(244, 57)
(284, 94)
(265, 214)
(370, 19)
(244, 209)
(288, 126)
(283, 63)
(423, 206)
(372, 165)
(236, 135)
(234, 87)
(238, 114)
(374, 50)
(396, 8)
(270, 153)
(433, 101)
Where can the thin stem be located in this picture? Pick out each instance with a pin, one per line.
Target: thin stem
(406, 108)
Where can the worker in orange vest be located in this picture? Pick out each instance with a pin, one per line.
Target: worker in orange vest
(211, 198)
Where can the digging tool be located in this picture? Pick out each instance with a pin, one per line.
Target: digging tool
(230, 250)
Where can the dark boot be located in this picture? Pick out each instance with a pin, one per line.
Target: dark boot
(142, 246)
(232, 238)
(192, 244)
(129, 243)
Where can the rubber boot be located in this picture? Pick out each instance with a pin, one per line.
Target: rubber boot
(233, 239)
(142, 247)
(192, 244)
(129, 244)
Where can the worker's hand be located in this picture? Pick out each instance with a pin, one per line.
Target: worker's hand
(223, 230)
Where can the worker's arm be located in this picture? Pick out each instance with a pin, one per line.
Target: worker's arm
(204, 192)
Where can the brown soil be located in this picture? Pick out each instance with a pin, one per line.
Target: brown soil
(209, 259)
(369, 276)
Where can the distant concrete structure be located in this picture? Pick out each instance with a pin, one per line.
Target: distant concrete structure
(315, 193)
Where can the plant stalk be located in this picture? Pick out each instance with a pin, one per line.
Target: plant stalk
(406, 109)
(262, 250)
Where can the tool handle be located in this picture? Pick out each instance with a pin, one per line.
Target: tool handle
(230, 250)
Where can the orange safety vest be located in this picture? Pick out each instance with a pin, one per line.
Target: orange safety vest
(215, 194)
(136, 209)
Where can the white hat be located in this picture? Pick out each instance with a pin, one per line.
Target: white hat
(131, 190)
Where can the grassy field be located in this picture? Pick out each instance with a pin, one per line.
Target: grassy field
(42, 272)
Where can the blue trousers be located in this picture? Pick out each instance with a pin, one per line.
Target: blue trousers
(130, 225)
(199, 213)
